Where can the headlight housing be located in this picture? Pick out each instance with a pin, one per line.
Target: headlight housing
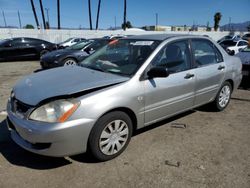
(56, 111)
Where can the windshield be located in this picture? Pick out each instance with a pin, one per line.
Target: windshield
(67, 40)
(98, 44)
(228, 43)
(79, 45)
(123, 57)
(228, 37)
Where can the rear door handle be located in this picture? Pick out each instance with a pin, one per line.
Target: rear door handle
(188, 76)
(221, 67)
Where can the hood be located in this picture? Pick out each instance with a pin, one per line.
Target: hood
(57, 53)
(61, 81)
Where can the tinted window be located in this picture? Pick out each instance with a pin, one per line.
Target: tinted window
(228, 43)
(175, 57)
(242, 43)
(205, 53)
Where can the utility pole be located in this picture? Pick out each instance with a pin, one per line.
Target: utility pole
(5, 23)
(34, 12)
(41, 6)
(229, 24)
(115, 22)
(19, 19)
(47, 12)
(156, 21)
(125, 15)
(58, 15)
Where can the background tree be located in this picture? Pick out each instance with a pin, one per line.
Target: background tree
(90, 19)
(41, 6)
(127, 25)
(28, 26)
(58, 15)
(34, 12)
(97, 16)
(217, 18)
(124, 16)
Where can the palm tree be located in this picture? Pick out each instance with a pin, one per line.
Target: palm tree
(125, 15)
(34, 12)
(90, 19)
(58, 15)
(217, 18)
(41, 6)
(97, 16)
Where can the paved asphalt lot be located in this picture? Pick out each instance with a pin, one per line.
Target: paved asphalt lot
(212, 151)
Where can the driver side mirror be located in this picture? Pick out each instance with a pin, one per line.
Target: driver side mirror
(157, 72)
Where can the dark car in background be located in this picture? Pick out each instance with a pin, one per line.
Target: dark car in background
(73, 54)
(246, 36)
(24, 48)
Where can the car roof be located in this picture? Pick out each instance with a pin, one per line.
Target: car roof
(160, 37)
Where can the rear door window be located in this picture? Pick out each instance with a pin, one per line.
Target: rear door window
(205, 53)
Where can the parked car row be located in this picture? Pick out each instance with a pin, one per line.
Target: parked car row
(126, 85)
(234, 43)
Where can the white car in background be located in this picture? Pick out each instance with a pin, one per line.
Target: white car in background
(234, 46)
(70, 42)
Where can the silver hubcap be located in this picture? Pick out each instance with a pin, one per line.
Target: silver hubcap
(113, 137)
(224, 96)
(69, 62)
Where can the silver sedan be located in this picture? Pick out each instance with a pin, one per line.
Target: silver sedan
(128, 84)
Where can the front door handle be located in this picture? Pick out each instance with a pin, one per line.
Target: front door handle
(221, 67)
(188, 76)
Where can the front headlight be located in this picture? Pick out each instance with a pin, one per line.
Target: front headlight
(56, 111)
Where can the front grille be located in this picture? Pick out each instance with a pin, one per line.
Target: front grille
(18, 106)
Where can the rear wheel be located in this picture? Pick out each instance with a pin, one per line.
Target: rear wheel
(110, 135)
(69, 62)
(223, 97)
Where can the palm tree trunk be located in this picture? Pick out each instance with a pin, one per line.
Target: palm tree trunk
(58, 15)
(34, 12)
(97, 16)
(90, 19)
(125, 15)
(41, 6)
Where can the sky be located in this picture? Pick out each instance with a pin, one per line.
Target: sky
(74, 13)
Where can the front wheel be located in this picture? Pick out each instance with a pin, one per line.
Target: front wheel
(69, 62)
(110, 135)
(223, 97)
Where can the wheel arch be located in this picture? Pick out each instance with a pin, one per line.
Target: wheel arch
(129, 112)
(231, 82)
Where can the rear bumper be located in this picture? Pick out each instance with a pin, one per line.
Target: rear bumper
(57, 139)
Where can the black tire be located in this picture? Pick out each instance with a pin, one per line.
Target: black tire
(72, 60)
(43, 52)
(216, 104)
(101, 125)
